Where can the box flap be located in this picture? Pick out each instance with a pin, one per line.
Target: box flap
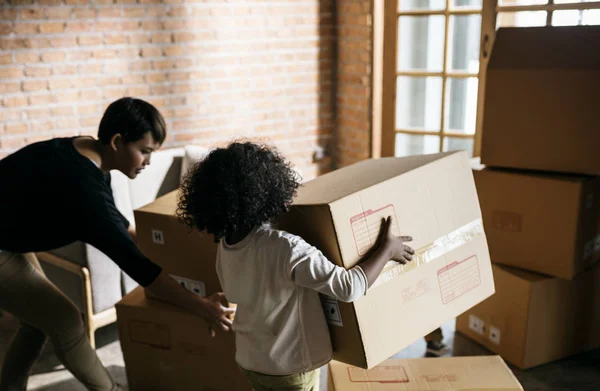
(449, 373)
(546, 48)
(338, 184)
(165, 205)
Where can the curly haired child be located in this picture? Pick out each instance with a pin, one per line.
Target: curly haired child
(273, 276)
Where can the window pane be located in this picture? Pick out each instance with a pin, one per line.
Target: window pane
(421, 42)
(522, 2)
(418, 103)
(456, 144)
(464, 43)
(466, 3)
(409, 144)
(409, 5)
(591, 17)
(567, 18)
(572, 1)
(521, 19)
(461, 105)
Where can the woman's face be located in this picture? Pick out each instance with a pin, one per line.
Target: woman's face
(135, 156)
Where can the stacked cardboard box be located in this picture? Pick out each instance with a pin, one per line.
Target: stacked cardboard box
(540, 198)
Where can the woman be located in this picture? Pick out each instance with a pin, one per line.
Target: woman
(54, 193)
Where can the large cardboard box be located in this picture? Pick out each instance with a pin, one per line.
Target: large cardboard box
(432, 198)
(541, 100)
(425, 374)
(534, 319)
(547, 223)
(186, 254)
(167, 349)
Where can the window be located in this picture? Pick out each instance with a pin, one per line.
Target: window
(433, 70)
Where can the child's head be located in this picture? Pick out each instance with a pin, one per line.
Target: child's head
(236, 189)
(131, 118)
(130, 130)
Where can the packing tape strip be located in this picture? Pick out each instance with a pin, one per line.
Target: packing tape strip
(428, 253)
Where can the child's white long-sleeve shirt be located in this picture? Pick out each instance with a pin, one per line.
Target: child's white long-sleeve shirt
(274, 277)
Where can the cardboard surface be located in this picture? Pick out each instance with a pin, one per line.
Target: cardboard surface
(541, 222)
(541, 100)
(166, 349)
(425, 374)
(184, 253)
(534, 319)
(431, 198)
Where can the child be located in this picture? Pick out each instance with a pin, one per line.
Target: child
(273, 276)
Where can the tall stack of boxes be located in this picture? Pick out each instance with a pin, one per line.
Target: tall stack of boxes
(432, 197)
(540, 195)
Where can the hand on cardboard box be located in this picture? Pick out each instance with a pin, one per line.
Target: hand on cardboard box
(388, 246)
(217, 316)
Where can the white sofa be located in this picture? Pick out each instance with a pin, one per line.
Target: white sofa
(86, 275)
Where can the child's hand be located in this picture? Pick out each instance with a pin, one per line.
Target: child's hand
(394, 245)
(217, 315)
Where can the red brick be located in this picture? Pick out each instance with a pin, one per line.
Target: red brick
(184, 63)
(12, 43)
(9, 87)
(178, 11)
(174, 1)
(173, 51)
(90, 95)
(59, 84)
(181, 112)
(183, 88)
(152, 52)
(115, 93)
(54, 57)
(68, 123)
(11, 73)
(89, 40)
(26, 28)
(138, 39)
(5, 28)
(133, 53)
(130, 25)
(32, 13)
(38, 71)
(77, 2)
(84, 13)
(156, 11)
(38, 127)
(88, 109)
(9, 14)
(114, 39)
(77, 27)
(59, 12)
(134, 12)
(183, 37)
(141, 65)
(52, 28)
(12, 143)
(65, 97)
(163, 64)
(138, 91)
(159, 90)
(104, 2)
(161, 38)
(151, 25)
(109, 12)
(156, 77)
(18, 128)
(150, 1)
(62, 110)
(68, 41)
(104, 54)
(14, 101)
(133, 78)
(80, 55)
(43, 99)
(37, 43)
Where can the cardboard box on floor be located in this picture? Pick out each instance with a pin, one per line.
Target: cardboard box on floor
(548, 223)
(167, 349)
(184, 253)
(535, 319)
(430, 197)
(425, 374)
(541, 100)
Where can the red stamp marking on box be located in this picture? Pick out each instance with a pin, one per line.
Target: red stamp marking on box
(458, 278)
(366, 227)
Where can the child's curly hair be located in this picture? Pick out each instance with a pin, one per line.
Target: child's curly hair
(236, 188)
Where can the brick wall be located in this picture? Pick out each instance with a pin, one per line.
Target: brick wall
(354, 81)
(217, 70)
